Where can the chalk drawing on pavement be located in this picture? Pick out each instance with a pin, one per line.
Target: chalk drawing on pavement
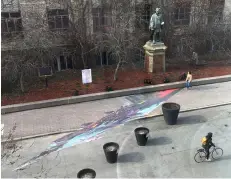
(2, 129)
(92, 131)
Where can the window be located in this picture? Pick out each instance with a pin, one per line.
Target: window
(69, 62)
(212, 45)
(216, 9)
(102, 18)
(105, 58)
(11, 22)
(96, 19)
(215, 16)
(181, 47)
(7, 3)
(58, 19)
(143, 16)
(182, 15)
(139, 55)
(216, 3)
(63, 62)
(107, 17)
(146, 15)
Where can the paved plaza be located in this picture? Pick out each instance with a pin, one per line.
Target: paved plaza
(169, 151)
(72, 117)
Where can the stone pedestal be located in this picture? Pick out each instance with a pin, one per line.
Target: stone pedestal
(154, 57)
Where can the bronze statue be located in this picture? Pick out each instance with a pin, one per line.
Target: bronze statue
(156, 26)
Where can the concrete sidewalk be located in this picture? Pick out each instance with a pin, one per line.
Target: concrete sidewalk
(169, 152)
(106, 95)
(71, 117)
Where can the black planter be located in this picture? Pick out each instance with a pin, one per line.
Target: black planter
(111, 152)
(141, 134)
(86, 173)
(170, 112)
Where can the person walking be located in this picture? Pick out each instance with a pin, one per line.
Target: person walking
(189, 80)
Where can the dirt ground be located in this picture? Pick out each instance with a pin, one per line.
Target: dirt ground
(63, 84)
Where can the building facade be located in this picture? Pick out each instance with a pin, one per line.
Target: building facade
(46, 24)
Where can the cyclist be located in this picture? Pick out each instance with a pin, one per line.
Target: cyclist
(207, 144)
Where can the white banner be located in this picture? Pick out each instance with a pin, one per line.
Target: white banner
(86, 76)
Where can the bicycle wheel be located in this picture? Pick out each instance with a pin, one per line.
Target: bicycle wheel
(200, 157)
(217, 153)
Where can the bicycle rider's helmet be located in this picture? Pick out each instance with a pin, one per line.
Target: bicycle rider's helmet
(210, 134)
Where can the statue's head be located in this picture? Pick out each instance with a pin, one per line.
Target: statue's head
(157, 10)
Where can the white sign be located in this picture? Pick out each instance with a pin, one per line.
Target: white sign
(86, 76)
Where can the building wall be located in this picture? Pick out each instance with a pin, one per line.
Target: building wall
(12, 5)
(35, 25)
(227, 10)
(36, 33)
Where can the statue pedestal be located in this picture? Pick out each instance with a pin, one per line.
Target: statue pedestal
(154, 57)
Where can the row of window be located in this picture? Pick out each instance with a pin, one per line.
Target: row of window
(57, 19)
(12, 21)
(65, 62)
(102, 17)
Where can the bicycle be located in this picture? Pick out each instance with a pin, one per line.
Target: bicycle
(216, 153)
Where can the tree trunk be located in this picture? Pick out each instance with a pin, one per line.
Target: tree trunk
(82, 56)
(116, 70)
(21, 83)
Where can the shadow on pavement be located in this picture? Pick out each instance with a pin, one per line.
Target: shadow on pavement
(132, 157)
(204, 88)
(195, 119)
(159, 141)
(227, 157)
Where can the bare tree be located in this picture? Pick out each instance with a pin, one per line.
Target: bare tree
(78, 33)
(24, 51)
(202, 28)
(119, 38)
(121, 32)
(10, 148)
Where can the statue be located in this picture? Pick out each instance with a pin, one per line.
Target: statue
(156, 26)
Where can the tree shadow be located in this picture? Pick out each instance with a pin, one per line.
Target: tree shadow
(132, 157)
(159, 141)
(194, 119)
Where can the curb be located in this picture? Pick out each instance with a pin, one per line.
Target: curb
(106, 95)
(140, 118)
(189, 110)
